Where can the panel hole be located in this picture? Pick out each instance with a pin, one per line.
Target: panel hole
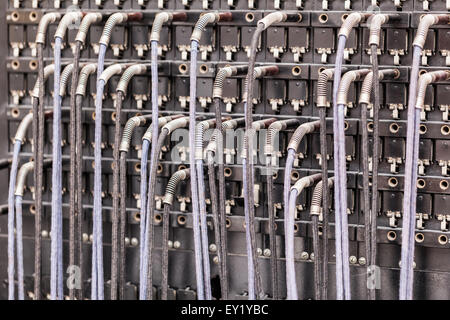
(182, 68)
(443, 184)
(346, 125)
(228, 222)
(157, 218)
(370, 126)
(443, 239)
(296, 71)
(419, 237)
(181, 167)
(422, 72)
(15, 16)
(33, 16)
(160, 168)
(181, 220)
(445, 130)
(295, 175)
(323, 18)
(423, 129)
(295, 228)
(227, 172)
(320, 70)
(249, 17)
(421, 183)
(344, 17)
(114, 116)
(15, 113)
(392, 182)
(391, 235)
(203, 68)
(33, 64)
(32, 209)
(137, 167)
(394, 127)
(15, 64)
(137, 216)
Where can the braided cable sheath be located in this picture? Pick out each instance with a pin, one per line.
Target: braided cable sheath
(11, 216)
(150, 233)
(73, 212)
(143, 213)
(19, 234)
(79, 184)
(249, 170)
(194, 188)
(123, 223)
(56, 282)
(116, 194)
(175, 179)
(322, 103)
(38, 155)
(216, 221)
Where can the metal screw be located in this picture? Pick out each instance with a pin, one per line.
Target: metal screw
(212, 247)
(353, 259)
(267, 252)
(134, 241)
(304, 255)
(259, 251)
(362, 261)
(127, 241)
(44, 233)
(216, 259)
(177, 244)
(312, 256)
(170, 243)
(85, 237)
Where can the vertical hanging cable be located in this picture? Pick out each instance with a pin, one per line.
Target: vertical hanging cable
(203, 289)
(146, 237)
(222, 74)
(410, 191)
(176, 178)
(340, 192)
(251, 257)
(85, 72)
(292, 148)
(97, 287)
(56, 274)
(214, 147)
(274, 17)
(271, 160)
(38, 137)
(18, 141)
(168, 127)
(121, 94)
(74, 213)
(322, 104)
(317, 214)
(369, 218)
(199, 134)
(295, 191)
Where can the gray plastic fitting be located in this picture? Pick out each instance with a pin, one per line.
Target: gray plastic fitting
(200, 130)
(306, 182)
(316, 200)
(23, 126)
(46, 20)
(425, 80)
(131, 124)
(352, 20)
(375, 26)
(205, 19)
(175, 179)
(425, 23)
(22, 177)
(68, 19)
(88, 20)
(161, 122)
(300, 132)
(85, 72)
(65, 75)
(129, 73)
(325, 76)
(112, 70)
(48, 70)
(366, 88)
(112, 21)
(346, 81)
